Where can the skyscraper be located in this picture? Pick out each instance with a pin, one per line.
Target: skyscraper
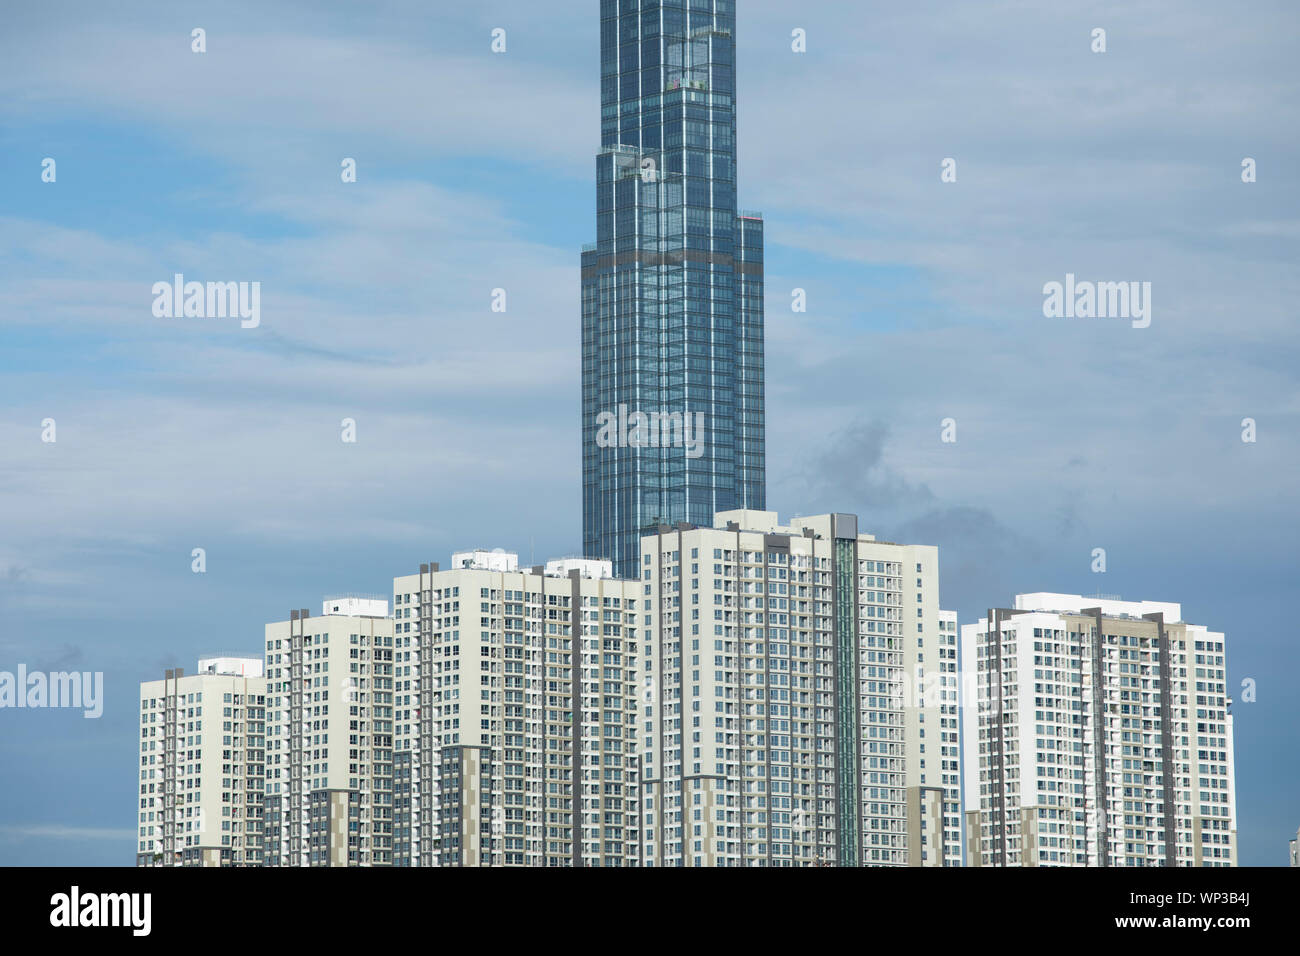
(672, 290)
(798, 697)
(329, 773)
(202, 765)
(1103, 737)
(517, 747)
(759, 694)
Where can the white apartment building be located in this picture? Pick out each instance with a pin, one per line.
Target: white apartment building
(1099, 735)
(329, 760)
(778, 716)
(934, 731)
(202, 756)
(514, 741)
(521, 716)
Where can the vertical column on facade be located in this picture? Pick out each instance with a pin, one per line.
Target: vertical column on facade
(576, 612)
(848, 732)
(997, 742)
(1101, 809)
(1166, 740)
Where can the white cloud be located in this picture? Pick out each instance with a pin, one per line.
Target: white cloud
(41, 831)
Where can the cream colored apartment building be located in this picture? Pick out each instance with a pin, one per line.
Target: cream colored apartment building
(329, 759)
(1099, 734)
(202, 759)
(796, 698)
(514, 742)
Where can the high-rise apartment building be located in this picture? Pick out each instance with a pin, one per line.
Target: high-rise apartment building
(202, 762)
(329, 760)
(514, 714)
(559, 716)
(779, 717)
(933, 735)
(1100, 735)
(672, 289)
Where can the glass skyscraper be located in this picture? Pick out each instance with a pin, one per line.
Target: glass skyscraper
(672, 289)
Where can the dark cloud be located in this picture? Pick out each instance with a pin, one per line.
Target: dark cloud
(1067, 519)
(981, 559)
(966, 534)
(1067, 162)
(13, 577)
(69, 658)
(850, 474)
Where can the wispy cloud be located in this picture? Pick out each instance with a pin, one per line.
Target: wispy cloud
(52, 831)
(474, 174)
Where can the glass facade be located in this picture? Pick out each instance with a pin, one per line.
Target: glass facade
(672, 289)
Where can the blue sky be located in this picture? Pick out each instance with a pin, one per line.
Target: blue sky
(475, 173)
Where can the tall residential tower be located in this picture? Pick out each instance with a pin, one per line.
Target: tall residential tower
(1102, 737)
(515, 737)
(672, 289)
(329, 761)
(202, 765)
(798, 697)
